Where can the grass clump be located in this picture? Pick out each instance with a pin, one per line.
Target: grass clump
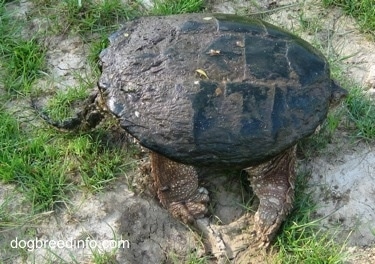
(22, 60)
(362, 10)
(304, 243)
(361, 112)
(169, 7)
(60, 106)
(191, 258)
(358, 109)
(45, 165)
(317, 143)
(96, 48)
(89, 16)
(98, 160)
(300, 239)
(31, 162)
(104, 257)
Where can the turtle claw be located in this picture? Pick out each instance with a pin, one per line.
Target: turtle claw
(273, 183)
(189, 211)
(230, 243)
(248, 237)
(177, 188)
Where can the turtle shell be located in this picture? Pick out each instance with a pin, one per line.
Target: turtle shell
(214, 89)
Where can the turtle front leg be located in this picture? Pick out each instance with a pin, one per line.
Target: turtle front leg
(273, 183)
(177, 188)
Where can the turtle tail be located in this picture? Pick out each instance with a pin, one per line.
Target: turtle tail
(337, 93)
(87, 118)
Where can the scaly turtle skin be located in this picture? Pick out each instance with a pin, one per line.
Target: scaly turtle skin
(214, 90)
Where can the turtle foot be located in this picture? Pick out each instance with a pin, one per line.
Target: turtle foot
(177, 188)
(248, 239)
(192, 209)
(232, 243)
(273, 183)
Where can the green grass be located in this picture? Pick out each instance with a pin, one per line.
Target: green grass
(23, 59)
(169, 7)
(11, 220)
(191, 258)
(362, 10)
(300, 239)
(60, 107)
(103, 257)
(14, 222)
(44, 164)
(86, 17)
(100, 160)
(96, 47)
(361, 112)
(31, 163)
(357, 113)
(316, 144)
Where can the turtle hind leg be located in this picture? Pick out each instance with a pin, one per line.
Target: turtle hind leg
(177, 188)
(273, 183)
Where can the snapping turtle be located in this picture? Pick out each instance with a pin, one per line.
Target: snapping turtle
(217, 91)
